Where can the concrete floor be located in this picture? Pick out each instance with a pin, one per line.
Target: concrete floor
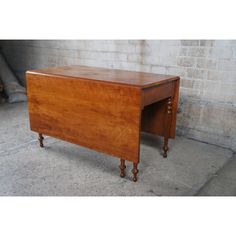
(64, 169)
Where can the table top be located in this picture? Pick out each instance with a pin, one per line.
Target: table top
(131, 78)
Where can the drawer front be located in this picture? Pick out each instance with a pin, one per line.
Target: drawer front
(157, 93)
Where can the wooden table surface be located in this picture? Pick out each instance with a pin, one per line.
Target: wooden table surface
(138, 79)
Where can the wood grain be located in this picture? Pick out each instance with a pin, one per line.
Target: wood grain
(137, 79)
(103, 117)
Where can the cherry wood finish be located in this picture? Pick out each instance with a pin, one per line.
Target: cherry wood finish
(103, 109)
(157, 93)
(137, 79)
(104, 117)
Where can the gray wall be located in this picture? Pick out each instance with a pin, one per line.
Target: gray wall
(207, 70)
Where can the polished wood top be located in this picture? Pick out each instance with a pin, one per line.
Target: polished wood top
(131, 78)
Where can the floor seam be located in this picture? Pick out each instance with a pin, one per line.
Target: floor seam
(20, 146)
(213, 176)
(197, 140)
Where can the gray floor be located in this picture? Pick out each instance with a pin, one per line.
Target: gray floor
(223, 183)
(64, 169)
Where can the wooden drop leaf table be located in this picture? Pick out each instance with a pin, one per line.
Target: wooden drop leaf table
(103, 109)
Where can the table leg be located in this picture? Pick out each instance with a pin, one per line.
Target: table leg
(135, 171)
(165, 147)
(122, 168)
(168, 126)
(41, 138)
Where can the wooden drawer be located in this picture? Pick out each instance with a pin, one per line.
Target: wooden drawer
(157, 93)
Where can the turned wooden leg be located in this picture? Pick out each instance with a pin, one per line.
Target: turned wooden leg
(165, 147)
(122, 168)
(167, 127)
(40, 138)
(135, 172)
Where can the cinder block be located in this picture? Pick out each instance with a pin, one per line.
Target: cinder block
(211, 87)
(126, 48)
(228, 77)
(135, 42)
(224, 43)
(233, 52)
(135, 57)
(220, 52)
(210, 64)
(191, 93)
(168, 43)
(196, 73)
(151, 59)
(207, 43)
(191, 83)
(183, 51)
(227, 65)
(186, 61)
(159, 69)
(197, 52)
(190, 42)
(153, 43)
(175, 70)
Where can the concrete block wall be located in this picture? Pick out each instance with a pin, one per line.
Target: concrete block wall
(207, 69)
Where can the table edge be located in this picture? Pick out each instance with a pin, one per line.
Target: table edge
(104, 81)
